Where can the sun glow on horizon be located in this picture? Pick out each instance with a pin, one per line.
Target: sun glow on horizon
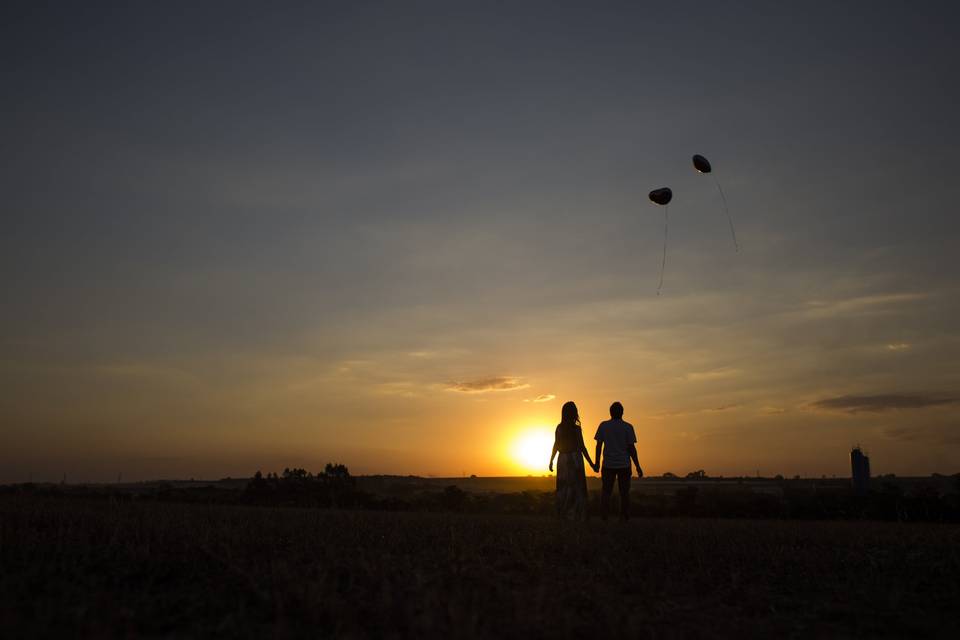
(530, 451)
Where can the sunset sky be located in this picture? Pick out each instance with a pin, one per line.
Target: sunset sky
(245, 236)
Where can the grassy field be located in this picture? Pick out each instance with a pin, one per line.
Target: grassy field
(73, 567)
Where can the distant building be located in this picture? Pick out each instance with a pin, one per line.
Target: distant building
(860, 470)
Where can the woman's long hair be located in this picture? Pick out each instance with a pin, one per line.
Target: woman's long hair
(569, 414)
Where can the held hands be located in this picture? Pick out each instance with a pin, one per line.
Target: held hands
(639, 472)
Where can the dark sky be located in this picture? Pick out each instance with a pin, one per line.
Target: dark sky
(239, 233)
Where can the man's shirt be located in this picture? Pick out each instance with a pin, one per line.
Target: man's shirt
(616, 436)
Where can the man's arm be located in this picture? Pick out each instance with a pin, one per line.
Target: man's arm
(633, 456)
(599, 450)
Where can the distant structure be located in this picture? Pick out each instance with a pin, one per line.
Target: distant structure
(859, 470)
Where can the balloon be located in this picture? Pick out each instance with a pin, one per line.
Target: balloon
(701, 164)
(661, 196)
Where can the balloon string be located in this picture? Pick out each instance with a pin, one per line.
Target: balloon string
(733, 233)
(663, 261)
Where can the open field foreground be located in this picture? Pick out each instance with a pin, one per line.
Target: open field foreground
(108, 569)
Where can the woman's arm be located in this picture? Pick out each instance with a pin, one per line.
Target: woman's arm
(586, 454)
(553, 454)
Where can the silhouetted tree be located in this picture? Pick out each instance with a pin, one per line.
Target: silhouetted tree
(257, 483)
(296, 474)
(338, 485)
(337, 472)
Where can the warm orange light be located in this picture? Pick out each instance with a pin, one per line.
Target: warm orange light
(531, 449)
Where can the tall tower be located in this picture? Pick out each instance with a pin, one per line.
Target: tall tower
(859, 470)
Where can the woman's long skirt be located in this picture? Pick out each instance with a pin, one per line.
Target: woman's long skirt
(571, 486)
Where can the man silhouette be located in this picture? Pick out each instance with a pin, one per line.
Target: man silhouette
(616, 440)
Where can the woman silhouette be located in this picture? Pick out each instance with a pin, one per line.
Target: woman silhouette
(571, 480)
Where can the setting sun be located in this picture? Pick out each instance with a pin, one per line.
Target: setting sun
(531, 450)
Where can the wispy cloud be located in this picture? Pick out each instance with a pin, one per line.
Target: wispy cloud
(348, 366)
(714, 374)
(717, 409)
(400, 389)
(422, 354)
(939, 435)
(860, 304)
(434, 354)
(147, 372)
(546, 397)
(485, 385)
(772, 411)
(882, 402)
(723, 407)
(899, 346)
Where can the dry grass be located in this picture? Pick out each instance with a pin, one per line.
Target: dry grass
(72, 567)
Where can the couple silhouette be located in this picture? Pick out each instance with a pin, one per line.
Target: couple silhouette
(616, 442)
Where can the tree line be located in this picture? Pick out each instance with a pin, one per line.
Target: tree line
(335, 488)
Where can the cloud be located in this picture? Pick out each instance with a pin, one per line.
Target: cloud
(899, 346)
(485, 385)
(690, 412)
(723, 407)
(434, 354)
(939, 435)
(882, 402)
(546, 397)
(401, 389)
(715, 374)
(772, 411)
(861, 305)
(147, 373)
